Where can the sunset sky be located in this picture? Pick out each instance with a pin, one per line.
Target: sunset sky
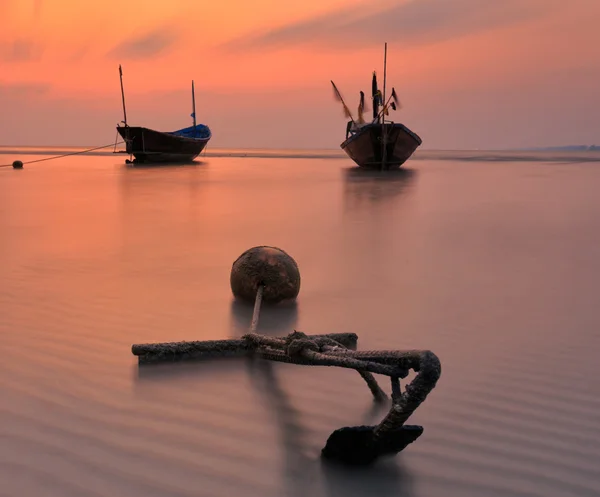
(469, 73)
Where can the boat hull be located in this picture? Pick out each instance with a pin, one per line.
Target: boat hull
(365, 146)
(150, 146)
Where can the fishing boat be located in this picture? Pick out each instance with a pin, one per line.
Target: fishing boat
(150, 146)
(381, 143)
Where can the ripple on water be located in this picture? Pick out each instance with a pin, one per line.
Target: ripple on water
(92, 264)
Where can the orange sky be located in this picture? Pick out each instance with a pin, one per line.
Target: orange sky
(470, 73)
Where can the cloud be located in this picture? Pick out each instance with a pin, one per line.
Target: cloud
(37, 9)
(23, 89)
(410, 22)
(5, 5)
(20, 50)
(145, 46)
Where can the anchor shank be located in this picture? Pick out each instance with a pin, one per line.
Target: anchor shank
(194, 350)
(429, 367)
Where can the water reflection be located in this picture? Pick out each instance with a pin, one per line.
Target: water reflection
(298, 465)
(277, 319)
(363, 186)
(303, 470)
(376, 412)
(386, 478)
(151, 165)
(170, 200)
(188, 370)
(163, 179)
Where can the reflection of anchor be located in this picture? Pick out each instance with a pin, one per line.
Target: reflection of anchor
(352, 445)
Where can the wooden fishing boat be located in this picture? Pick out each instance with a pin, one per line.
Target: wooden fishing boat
(151, 146)
(379, 144)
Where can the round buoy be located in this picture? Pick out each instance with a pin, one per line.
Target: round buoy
(17, 164)
(271, 267)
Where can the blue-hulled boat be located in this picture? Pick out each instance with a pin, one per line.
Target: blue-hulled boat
(148, 145)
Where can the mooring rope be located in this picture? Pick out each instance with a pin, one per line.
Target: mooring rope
(256, 312)
(67, 155)
(298, 348)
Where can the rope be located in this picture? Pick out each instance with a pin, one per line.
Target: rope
(257, 303)
(116, 138)
(298, 348)
(67, 155)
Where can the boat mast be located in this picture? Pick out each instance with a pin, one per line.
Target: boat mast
(123, 95)
(193, 104)
(383, 129)
(384, 75)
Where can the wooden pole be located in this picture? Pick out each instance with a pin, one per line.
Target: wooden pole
(123, 95)
(193, 104)
(383, 131)
(384, 71)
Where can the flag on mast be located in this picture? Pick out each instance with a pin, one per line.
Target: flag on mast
(361, 108)
(338, 96)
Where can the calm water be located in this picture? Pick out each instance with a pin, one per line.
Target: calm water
(492, 264)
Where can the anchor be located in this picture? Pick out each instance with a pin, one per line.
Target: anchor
(271, 275)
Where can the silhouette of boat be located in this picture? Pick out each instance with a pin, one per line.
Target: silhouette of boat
(149, 145)
(379, 144)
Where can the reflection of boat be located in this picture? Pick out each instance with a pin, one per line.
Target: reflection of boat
(379, 144)
(148, 145)
(363, 187)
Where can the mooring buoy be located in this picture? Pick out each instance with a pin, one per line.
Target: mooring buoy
(270, 267)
